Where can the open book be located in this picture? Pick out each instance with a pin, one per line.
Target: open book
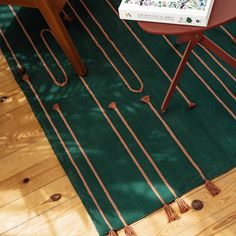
(185, 12)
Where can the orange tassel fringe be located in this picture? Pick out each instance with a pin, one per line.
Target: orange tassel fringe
(129, 231)
(26, 78)
(56, 107)
(183, 206)
(112, 233)
(171, 214)
(145, 99)
(212, 188)
(112, 105)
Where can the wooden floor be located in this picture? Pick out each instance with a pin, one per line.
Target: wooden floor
(25, 208)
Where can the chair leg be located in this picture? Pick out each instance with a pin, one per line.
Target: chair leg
(234, 40)
(218, 51)
(55, 23)
(178, 73)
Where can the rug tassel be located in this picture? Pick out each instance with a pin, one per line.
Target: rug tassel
(25, 77)
(129, 231)
(183, 206)
(112, 233)
(145, 99)
(112, 105)
(212, 188)
(171, 214)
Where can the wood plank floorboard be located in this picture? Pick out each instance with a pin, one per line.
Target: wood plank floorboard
(26, 209)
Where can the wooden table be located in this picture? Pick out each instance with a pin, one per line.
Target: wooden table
(223, 11)
(50, 9)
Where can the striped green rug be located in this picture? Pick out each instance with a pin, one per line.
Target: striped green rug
(124, 158)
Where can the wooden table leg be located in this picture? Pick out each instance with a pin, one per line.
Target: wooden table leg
(178, 73)
(56, 25)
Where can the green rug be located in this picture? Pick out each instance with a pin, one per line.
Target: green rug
(127, 160)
